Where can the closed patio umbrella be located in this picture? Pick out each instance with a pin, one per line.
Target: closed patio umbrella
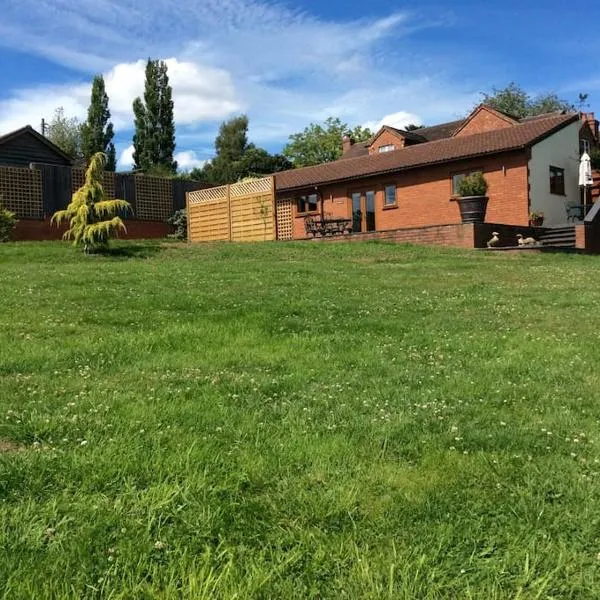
(585, 177)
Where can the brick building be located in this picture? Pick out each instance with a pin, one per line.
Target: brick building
(401, 179)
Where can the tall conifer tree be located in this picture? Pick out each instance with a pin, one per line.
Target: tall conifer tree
(154, 138)
(97, 132)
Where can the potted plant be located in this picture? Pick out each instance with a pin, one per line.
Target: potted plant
(536, 219)
(472, 199)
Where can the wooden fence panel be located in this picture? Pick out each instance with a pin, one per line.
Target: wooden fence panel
(252, 218)
(209, 221)
(242, 212)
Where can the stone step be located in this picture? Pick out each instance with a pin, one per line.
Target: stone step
(559, 237)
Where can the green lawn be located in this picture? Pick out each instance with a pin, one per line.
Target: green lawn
(298, 420)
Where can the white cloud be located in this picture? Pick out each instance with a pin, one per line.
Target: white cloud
(126, 158)
(282, 66)
(188, 160)
(399, 120)
(199, 93)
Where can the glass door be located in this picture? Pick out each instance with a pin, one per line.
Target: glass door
(363, 211)
(370, 211)
(356, 212)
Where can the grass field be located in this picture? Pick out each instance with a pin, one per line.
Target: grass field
(298, 421)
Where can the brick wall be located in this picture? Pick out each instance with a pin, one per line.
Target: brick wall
(386, 138)
(587, 237)
(424, 195)
(484, 120)
(37, 230)
(459, 236)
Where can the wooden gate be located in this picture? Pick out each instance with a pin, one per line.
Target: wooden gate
(242, 212)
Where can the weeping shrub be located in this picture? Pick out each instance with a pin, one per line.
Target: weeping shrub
(8, 222)
(92, 218)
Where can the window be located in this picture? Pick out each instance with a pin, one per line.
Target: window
(458, 177)
(390, 195)
(584, 146)
(306, 204)
(387, 148)
(557, 181)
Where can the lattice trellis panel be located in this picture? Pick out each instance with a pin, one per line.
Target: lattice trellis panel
(251, 188)
(153, 198)
(21, 191)
(285, 219)
(108, 181)
(77, 179)
(208, 195)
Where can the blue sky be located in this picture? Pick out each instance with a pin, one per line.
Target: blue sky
(287, 64)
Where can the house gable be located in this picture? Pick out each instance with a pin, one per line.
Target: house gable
(24, 146)
(484, 118)
(386, 137)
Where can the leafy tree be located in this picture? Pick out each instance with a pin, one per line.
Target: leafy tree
(236, 158)
(154, 138)
(97, 132)
(321, 143)
(92, 218)
(65, 132)
(515, 101)
(413, 127)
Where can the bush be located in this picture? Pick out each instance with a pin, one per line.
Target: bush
(8, 222)
(473, 185)
(595, 159)
(179, 222)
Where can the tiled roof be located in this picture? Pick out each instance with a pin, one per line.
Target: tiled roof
(516, 137)
(424, 134)
(439, 132)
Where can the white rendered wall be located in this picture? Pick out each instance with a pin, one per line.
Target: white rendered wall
(559, 150)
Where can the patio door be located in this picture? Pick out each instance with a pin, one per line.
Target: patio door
(363, 211)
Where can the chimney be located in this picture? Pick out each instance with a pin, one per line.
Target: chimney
(590, 119)
(347, 143)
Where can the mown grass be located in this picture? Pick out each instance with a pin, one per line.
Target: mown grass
(298, 421)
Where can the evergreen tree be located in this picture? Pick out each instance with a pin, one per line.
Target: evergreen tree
(92, 217)
(236, 159)
(97, 132)
(154, 138)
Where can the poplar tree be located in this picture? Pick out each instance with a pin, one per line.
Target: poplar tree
(154, 138)
(97, 132)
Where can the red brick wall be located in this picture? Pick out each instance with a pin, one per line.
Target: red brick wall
(34, 230)
(424, 195)
(484, 120)
(587, 237)
(460, 236)
(385, 139)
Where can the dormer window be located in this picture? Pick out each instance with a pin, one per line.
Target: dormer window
(386, 148)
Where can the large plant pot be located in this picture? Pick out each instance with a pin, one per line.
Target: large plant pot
(472, 208)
